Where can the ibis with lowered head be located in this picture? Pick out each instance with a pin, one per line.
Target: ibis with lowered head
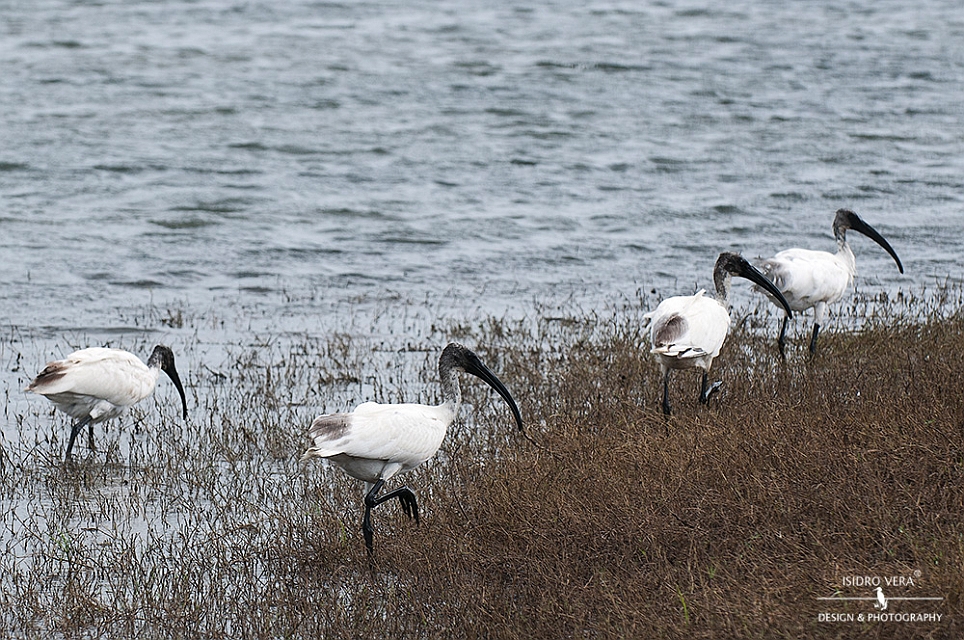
(376, 441)
(816, 279)
(687, 332)
(97, 384)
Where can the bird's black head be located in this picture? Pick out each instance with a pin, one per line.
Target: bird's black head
(163, 358)
(847, 219)
(458, 357)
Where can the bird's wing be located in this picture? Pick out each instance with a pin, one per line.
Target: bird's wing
(327, 431)
(113, 375)
(689, 327)
(397, 432)
(676, 304)
(806, 277)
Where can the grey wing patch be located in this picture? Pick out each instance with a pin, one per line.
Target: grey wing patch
(330, 427)
(53, 372)
(775, 273)
(325, 432)
(669, 329)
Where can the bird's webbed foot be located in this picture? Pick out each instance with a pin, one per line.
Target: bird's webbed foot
(713, 390)
(406, 498)
(409, 504)
(707, 392)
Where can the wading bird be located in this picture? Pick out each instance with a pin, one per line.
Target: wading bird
(376, 441)
(817, 278)
(688, 331)
(97, 384)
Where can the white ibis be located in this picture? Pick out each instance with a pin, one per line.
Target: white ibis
(688, 331)
(377, 441)
(96, 384)
(817, 278)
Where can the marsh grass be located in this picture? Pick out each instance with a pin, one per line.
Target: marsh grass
(721, 521)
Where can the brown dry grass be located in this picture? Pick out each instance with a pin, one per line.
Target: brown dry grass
(723, 521)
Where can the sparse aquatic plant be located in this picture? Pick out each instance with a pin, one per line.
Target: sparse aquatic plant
(605, 526)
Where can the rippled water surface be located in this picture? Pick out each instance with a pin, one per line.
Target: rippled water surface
(305, 160)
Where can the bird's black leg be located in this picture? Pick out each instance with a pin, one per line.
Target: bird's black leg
(707, 393)
(813, 338)
(406, 497)
(782, 342)
(370, 499)
(666, 408)
(75, 429)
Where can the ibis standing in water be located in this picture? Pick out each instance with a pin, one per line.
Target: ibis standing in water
(97, 384)
(375, 442)
(687, 332)
(817, 278)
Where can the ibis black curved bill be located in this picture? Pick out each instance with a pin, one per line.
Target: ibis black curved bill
(172, 374)
(860, 226)
(475, 366)
(163, 357)
(751, 273)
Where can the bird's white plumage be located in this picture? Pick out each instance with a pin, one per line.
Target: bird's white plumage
(98, 382)
(808, 278)
(376, 441)
(688, 331)
(815, 279)
(695, 326)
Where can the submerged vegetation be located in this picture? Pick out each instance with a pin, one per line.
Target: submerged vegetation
(728, 520)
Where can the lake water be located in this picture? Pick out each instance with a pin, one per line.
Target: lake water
(294, 166)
